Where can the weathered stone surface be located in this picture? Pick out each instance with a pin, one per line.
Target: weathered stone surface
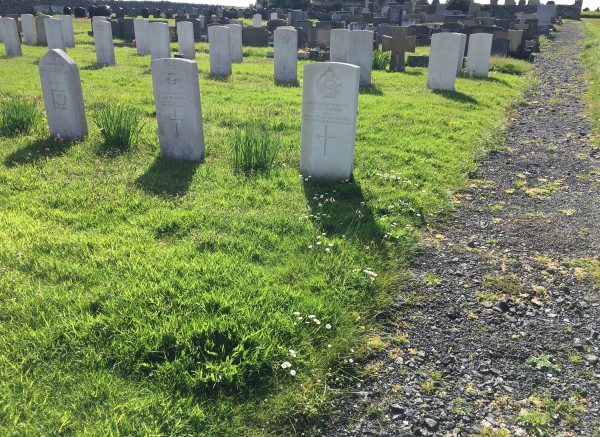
(54, 34)
(443, 58)
(257, 20)
(286, 57)
(40, 29)
(10, 37)
(159, 40)
(67, 29)
(338, 45)
(185, 38)
(28, 29)
(478, 58)
(235, 42)
(103, 41)
(142, 43)
(360, 53)
(219, 49)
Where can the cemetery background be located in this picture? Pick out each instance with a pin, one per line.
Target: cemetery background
(134, 284)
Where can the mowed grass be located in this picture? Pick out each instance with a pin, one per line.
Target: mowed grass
(590, 56)
(149, 297)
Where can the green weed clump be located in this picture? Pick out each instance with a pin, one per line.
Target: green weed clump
(255, 149)
(381, 60)
(512, 66)
(119, 126)
(18, 116)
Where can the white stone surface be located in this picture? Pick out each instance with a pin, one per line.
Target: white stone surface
(544, 14)
(54, 34)
(274, 16)
(159, 40)
(10, 37)
(219, 49)
(445, 51)
(67, 29)
(103, 40)
(338, 45)
(285, 54)
(461, 53)
(28, 29)
(185, 39)
(63, 98)
(478, 58)
(140, 28)
(178, 109)
(514, 39)
(99, 18)
(236, 47)
(257, 20)
(40, 29)
(329, 108)
(360, 53)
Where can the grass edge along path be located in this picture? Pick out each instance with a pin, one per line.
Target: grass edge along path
(147, 297)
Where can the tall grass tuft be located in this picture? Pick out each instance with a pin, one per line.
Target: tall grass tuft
(18, 116)
(255, 149)
(381, 60)
(119, 126)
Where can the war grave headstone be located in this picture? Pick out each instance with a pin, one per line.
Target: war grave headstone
(285, 54)
(478, 57)
(54, 34)
(338, 45)
(100, 18)
(398, 44)
(142, 44)
(103, 41)
(219, 50)
(175, 83)
(445, 50)
(185, 39)
(461, 53)
(40, 29)
(159, 41)
(360, 53)
(28, 29)
(17, 19)
(257, 20)
(67, 29)
(235, 40)
(329, 108)
(515, 40)
(10, 37)
(63, 98)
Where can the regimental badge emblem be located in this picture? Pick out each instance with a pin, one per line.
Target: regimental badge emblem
(328, 84)
(285, 38)
(59, 98)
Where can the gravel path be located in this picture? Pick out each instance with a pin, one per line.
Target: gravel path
(499, 326)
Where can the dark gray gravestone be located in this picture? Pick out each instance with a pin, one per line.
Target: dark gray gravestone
(394, 15)
(418, 61)
(500, 47)
(127, 31)
(274, 24)
(116, 29)
(255, 36)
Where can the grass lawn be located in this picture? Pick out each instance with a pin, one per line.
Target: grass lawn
(149, 297)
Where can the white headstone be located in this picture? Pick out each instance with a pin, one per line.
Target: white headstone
(478, 59)
(159, 40)
(360, 53)
(285, 42)
(63, 98)
(274, 16)
(67, 29)
(28, 29)
(178, 110)
(103, 40)
(140, 28)
(338, 45)
(99, 18)
(443, 58)
(514, 39)
(329, 108)
(219, 49)
(185, 38)
(257, 20)
(10, 37)
(544, 14)
(235, 42)
(40, 29)
(461, 53)
(54, 34)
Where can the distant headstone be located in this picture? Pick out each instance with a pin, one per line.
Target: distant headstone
(533, 3)
(67, 28)
(219, 50)
(510, 3)
(159, 40)
(63, 98)
(40, 29)
(145, 13)
(274, 16)
(329, 108)
(461, 53)
(100, 18)
(544, 14)
(103, 41)
(286, 54)
(445, 51)
(257, 20)
(515, 39)
(54, 34)
(10, 37)
(338, 45)
(178, 109)
(235, 41)
(79, 12)
(360, 53)
(398, 44)
(394, 14)
(142, 43)
(28, 29)
(185, 38)
(478, 58)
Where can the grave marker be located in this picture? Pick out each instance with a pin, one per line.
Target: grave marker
(338, 45)
(185, 38)
(286, 54)
(360, 53)
(28, 29)
(461, 53)
(219, 50)
(445, 50)
(140, 28)
(478, 58)
(9, 35)
(67, 29)
(54, 34)
(103, 41)
(257, 20)
(159, 40)
(398, 44)
(40, 29)
(235, 42)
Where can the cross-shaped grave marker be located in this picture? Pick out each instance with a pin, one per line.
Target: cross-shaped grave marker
(521, 25)
(398, 43)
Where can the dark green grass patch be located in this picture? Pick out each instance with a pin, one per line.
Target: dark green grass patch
(590, 57)
(18, 116)
(119, 126)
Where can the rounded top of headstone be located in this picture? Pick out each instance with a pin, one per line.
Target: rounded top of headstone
(56, 58)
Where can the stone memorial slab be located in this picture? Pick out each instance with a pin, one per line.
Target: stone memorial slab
(178, 110)
(142, 44)
(329, 108)
(17, 18)
(40, 29)
(103, 41)
(10, 37)
(398, 44)
(338, 45)
(185, 38)
(219, 48)
(515, 39)
(544, 14)
(159, 40)
(257, 20)
(274, 16)
(286, 54)
(67, 29)
(235, 41)
(28, 29)
(54, 34)
(63, 98)
(478, 58)
(461, 53)
(99, 18)
(360, 53)
(445, 50)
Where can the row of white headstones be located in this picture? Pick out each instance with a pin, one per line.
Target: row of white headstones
(329, 99)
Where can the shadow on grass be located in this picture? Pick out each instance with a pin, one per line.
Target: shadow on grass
(36, 151)
(93, 66)
(168, 177)
(294, 84)
(490, 79)
(457, 96)
(218, 77)
(415, 72)
(347, 214)
(372, 89)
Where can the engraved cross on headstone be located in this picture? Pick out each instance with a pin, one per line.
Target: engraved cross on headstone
(177, 121)
(325, 137)
(398, 43)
